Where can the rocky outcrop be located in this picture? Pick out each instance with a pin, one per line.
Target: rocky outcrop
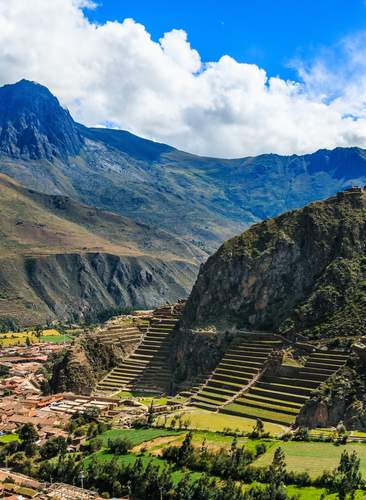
(339, 399)
(78, 369)
(71, 286)
(195, 352)
(302, 272)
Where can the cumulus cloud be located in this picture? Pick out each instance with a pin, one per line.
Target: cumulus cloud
(115, 73)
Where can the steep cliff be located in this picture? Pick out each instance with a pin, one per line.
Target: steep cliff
(302, 272)
(340, 398)
(61, 259)
(78, 369)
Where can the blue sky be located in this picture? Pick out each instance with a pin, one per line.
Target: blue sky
(269, 33)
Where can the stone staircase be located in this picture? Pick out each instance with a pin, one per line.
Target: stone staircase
(241, 364)
(147, 368)
(279, 399)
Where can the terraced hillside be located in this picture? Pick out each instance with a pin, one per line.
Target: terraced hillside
(123, 333)
(147, 368)
(241, 364)
(279, 399)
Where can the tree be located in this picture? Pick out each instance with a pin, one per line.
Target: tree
(28, 342)
(277, 472)
(347, 475)
(38, 331)
(259, 427)
(119, 446)
(53, 447)
(150, 414)
(186, 450)
(28, 434)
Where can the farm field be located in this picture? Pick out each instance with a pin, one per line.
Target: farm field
(131, 458)
(136, 436)
(312, 457)
(218, 422)
(10, 339)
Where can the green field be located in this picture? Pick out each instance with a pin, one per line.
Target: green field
(206, 420)
(314, 458)
(7, 438)
(136, 436)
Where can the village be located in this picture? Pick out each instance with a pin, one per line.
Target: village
(23, 403)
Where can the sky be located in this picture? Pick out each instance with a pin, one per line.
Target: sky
(217, 78)
(263, 32)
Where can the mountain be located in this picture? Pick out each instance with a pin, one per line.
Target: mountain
(61, 259)
(303, 272)
(174, 208)
(202, 200)
(33, 124)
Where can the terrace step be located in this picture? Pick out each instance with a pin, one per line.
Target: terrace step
(266, 415)
(277, 402)
(283, 396)
(305, 391)
(312, 384)
(267, 406)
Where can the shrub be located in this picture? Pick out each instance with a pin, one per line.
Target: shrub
(119, 446)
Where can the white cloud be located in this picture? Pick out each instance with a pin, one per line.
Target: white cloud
(116, 73)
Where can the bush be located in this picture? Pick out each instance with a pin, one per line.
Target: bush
(119, 446)
(260, 449)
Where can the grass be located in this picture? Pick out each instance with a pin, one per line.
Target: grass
(309, 492)
(7, 438)
(314, 458)
(217, 422)
(136, 436)
(156, 399)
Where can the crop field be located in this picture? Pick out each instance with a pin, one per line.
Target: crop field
(10, 339)
(314, 458)
(136, 436)
(131, 458)
(205, 420)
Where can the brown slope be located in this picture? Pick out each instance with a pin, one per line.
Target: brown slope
(59, 258)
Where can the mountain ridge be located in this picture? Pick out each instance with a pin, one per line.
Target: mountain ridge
(60, 259)
(203, 200)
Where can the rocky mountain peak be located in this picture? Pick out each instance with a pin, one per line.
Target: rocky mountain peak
(34, 125)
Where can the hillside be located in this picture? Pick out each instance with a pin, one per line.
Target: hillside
(203, 200)
(59, 258)
(303, 272)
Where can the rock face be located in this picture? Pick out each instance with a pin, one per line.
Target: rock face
(302, 272)
(33, 125)
(73, 286)
(79, 369)
(60, 259)
(341, 398)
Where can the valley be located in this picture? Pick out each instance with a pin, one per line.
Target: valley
(175, 326)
